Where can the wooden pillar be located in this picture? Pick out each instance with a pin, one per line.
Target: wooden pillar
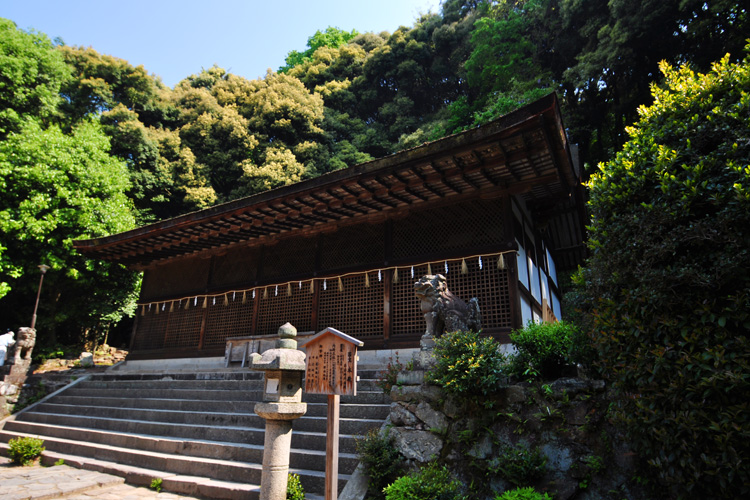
(387, 294)
(315, 305)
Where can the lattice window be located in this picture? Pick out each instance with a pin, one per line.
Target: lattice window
(295, 256)
(357, 311)
(239, 265)
(353, 246)
(406, 317)
(489, 285)
(232, 320)
(174, 279)
(470, 225)
(183, 326)
(151, 328)
(279, 308)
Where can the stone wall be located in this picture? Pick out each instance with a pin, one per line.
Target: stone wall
(564, 421)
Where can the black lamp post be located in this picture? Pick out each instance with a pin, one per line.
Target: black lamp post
(43, 268)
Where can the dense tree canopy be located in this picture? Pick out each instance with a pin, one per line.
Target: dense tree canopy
(669, 279)
(54, 188)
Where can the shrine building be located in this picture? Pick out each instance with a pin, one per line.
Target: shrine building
(497, 209)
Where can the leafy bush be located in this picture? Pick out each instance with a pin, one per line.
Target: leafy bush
(522, 494)
(468, 365)
(381, 459)
(294, 489)
(433, 482)
(24, 450)
(543, 349)
(388, 378)
(669, 280)
(156, 484)
(519, 465)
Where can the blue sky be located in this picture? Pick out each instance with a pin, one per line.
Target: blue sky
(176, 38)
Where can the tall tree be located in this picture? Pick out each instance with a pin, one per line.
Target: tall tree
(56, 188)
(31, 74)
(669, 280)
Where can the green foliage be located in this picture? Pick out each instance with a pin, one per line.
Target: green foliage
(522, 494)
(543, 349)
(294, 489)
(60, 462)
(433, 482)
(31, 74)
(331, 37)
(56, 188)
(388, 378)
(519, 464)
(669, 279)
(381, 459)
(24, 450)
(468, 366)
(43, 353)
(156, 484)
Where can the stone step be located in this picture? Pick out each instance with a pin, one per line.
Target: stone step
(234, 374)
(362, 397)
(197, 486)
(313, 409)
(217, 469)
(299, 458)
(244, 420)
(207, 375)
(300, 439)
(251, 384)
(167, 384)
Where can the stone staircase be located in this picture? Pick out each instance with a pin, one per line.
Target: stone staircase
(195, 431)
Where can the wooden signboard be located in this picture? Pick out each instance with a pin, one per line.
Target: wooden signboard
(332, 363)
(331, 359)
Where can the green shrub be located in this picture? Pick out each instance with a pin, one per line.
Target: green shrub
(544, 349)
(522, 494)
(467, 365)
(669, 280)
(519, 465)
(388, 378)
(24, 450)
(294, 489)
(381, 459)
(433, 482)
(156, 484)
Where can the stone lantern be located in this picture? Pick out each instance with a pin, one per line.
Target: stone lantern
(283, 368)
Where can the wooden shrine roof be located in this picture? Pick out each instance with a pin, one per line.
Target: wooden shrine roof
(525, 152)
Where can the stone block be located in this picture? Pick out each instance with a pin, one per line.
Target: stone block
(432, 418)
(401, 416)
(87, 360)
(422, 446)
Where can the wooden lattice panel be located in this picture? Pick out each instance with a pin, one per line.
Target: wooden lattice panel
(232, 320)
(151, 328)
(175, 279)
(357, 311)
(294, 256)
(406, 317)
(279, 308)
(353, 246)
(236, 266)
(472, 225)
(489, 285)
(183, 326)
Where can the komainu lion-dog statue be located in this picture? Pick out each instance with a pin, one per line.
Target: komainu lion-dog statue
(443, 311)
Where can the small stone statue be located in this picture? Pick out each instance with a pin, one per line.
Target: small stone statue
(443, 311)
(24, 344)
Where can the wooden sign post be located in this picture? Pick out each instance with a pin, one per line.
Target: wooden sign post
(332, 369)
